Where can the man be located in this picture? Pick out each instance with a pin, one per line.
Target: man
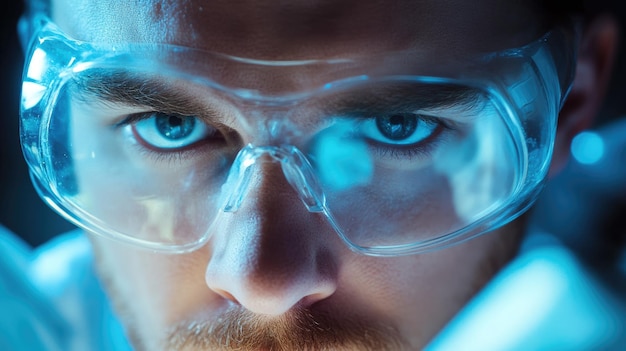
(302, 175)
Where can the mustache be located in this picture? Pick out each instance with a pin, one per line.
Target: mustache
(304, 329)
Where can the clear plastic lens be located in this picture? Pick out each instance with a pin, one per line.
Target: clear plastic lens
(385, 194)
(399, 129)
(169, 132)
(158, 176)
(397, 163)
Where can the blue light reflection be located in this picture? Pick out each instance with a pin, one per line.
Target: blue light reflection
(588, 148)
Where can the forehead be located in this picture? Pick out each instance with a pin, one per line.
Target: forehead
(304, 29)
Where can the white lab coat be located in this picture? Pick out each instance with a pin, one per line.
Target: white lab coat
(50, 298)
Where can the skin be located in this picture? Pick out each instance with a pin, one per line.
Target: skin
(273, 262)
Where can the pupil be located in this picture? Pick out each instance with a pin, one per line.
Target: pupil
(175, 121)
(398, 126)
(174, 127)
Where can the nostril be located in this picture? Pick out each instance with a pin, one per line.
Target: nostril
(269, 291)
(226, 295)
(271, 254)
(311, 299)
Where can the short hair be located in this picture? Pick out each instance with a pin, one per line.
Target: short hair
(554, 11)
(557, 11)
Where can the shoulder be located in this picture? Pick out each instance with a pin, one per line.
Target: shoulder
(58, 295)
(61, 264)
(530, 301)
(29, 320)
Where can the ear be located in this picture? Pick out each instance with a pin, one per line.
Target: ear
(593, 72)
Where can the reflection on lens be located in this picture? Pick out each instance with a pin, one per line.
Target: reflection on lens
(397, 126)
(406, 169)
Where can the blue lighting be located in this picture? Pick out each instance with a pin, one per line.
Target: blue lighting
(544, 300)
(587, 148)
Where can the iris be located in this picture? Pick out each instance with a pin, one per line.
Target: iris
(397, 126)
(174, 127)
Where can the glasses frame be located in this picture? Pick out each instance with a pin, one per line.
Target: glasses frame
(552, 56)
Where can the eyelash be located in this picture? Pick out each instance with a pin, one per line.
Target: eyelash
(421, 149)
(134, 118)
(175, 156)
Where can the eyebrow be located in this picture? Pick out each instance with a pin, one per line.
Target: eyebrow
(148, 91)
(407, 97)
(137, 90)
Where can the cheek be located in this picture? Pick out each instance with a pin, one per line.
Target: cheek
(393, 203)
(149, 290)
(419, 294)
(122, 185)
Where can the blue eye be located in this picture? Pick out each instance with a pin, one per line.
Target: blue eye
(401, 129)
(170, 132)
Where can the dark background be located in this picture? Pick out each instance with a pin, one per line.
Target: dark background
(21, 210)
(26, 215)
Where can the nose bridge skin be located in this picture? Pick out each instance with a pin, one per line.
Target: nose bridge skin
(272, 254)
(295, 167)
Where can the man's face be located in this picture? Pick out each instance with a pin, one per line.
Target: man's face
(272, 275)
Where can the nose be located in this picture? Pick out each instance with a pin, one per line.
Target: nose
(272, 254)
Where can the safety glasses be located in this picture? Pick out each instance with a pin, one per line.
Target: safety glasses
(399, 153)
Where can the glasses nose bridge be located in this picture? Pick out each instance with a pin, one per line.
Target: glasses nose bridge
(269, 121)
(296, 168)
